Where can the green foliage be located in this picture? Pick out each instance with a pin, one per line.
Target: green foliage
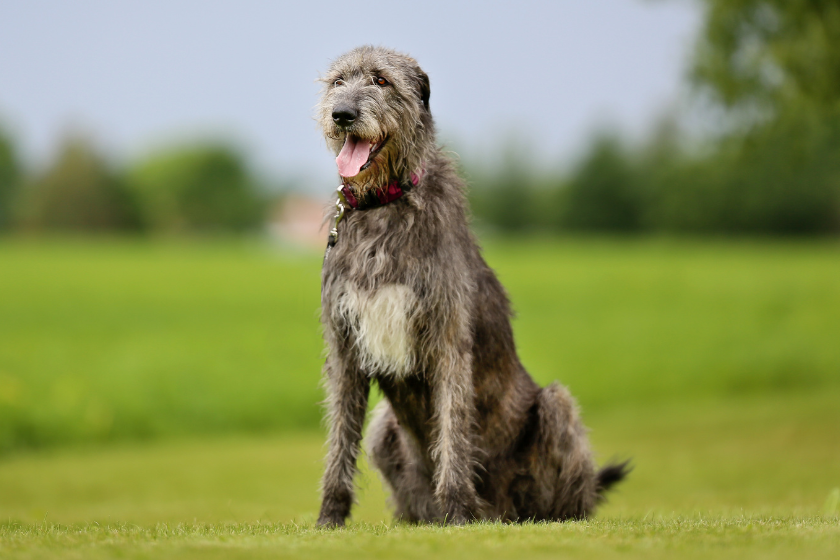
(769, 54)
(79, 192)
(9, 179)
(504, 194)
(603, 192)
(130, 340)
(779, 178)
(196, 189)
(203, 188)
(774, 64)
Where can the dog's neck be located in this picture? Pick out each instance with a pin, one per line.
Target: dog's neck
(371, 198)
(379, 196)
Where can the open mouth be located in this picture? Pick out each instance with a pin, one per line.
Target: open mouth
(357, 154)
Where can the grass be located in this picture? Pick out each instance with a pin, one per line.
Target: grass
(722, 477)
(103, 341)
(696, 537)
(121, 339)
(714, 365)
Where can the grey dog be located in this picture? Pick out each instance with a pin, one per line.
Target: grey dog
(463, 432)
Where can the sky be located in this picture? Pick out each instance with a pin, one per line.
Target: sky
(143, 75)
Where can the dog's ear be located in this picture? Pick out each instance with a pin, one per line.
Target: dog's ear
(423, 88)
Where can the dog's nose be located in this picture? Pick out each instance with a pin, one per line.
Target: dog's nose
(344, 115)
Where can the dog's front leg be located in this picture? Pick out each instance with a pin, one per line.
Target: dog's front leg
(453, 444)
(347, 397)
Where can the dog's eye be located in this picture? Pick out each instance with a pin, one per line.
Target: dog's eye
(338, 82)
(380, 81)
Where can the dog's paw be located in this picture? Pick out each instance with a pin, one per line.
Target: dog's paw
(457, 516)
(330, 522)
(457, 520)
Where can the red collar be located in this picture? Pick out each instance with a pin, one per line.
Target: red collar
(380, 196)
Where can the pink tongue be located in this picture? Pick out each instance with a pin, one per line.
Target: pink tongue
(353, 156)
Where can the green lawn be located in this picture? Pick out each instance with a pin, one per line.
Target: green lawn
(114, 340)
(158, 399)
(695, 537)
(101, 341)
(734, 477)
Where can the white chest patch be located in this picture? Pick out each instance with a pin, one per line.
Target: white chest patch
(381, 324)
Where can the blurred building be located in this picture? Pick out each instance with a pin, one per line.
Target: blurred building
(298, 220)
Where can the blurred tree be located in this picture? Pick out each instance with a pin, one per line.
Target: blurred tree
(9, 178)
(776, 64)
(765, 54)
(78, 192)
(786, 177)
(603, 192)
(780, 179)
(202, 188)
(503, 197)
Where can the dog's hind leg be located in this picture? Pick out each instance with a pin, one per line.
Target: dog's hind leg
(401, 466)
(566, 484)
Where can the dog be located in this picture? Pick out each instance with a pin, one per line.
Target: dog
(407, 301)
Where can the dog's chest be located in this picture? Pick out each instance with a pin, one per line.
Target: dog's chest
(380, 322)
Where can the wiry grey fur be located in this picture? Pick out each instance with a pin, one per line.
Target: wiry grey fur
(407, 301)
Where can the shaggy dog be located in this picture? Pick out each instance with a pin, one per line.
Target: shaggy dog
(407, 301)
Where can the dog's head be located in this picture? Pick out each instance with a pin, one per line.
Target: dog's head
(374, 112)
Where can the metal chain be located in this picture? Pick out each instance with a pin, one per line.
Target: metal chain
(340, 207)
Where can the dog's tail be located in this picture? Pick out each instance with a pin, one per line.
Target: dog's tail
(610, 475)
